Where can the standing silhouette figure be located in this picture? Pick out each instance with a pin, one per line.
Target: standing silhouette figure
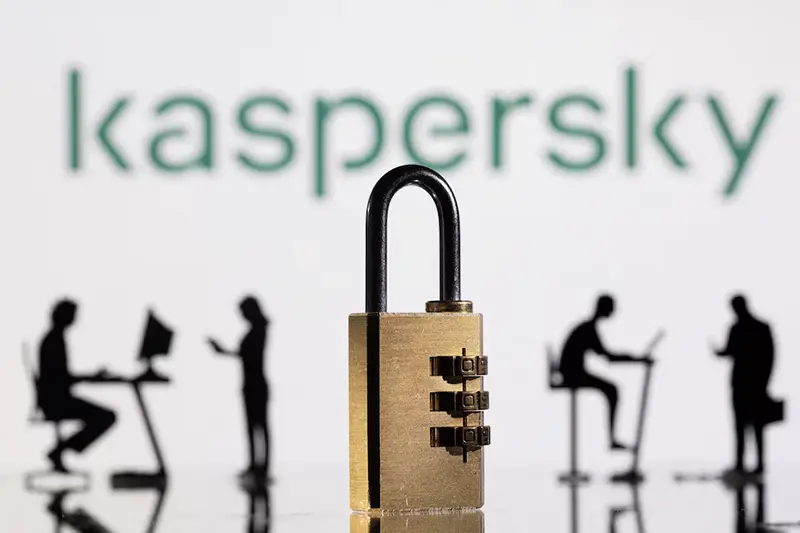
(752, 349)
(255, 389)
(54, 389)
(584, 338)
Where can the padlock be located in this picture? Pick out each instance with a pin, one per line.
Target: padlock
(416, 379)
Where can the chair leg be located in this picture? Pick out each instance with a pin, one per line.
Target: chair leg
(573, 437)
(574, 476)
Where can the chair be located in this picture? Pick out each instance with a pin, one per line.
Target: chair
(556, 382)
(37, 416)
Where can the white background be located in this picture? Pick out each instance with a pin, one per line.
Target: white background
(538, 244)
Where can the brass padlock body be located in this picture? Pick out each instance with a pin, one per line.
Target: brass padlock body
(407, 471)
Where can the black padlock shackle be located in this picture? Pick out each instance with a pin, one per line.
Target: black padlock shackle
(449, 232)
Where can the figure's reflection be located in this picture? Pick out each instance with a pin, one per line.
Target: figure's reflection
(80, 520)
(615, 512)
(450, 522)
(259, 507)
(77, 519)
(155, 515)
(574, 513)
(745, 521)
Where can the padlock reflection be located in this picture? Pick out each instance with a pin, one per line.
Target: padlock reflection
(448, 522)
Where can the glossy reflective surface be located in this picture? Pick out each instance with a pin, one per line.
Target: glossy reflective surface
(316, 501)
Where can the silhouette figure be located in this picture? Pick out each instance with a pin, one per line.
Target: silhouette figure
(37, 417)
(751, 347)
(584, 338)
(255, 389)
(54, 389)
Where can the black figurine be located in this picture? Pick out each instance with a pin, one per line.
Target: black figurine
(54, 389)
(255, 390)
(570, 373)
(751, 347)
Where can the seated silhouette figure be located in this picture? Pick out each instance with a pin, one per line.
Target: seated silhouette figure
(583, 339)
(255, 390)
(54, 389)
(750, 345)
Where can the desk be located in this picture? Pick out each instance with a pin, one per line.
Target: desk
(130, 480)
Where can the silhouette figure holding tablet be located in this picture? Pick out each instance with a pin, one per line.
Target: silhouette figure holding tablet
(752, 349)
(584, 338)
(254, 389)
(54, 389)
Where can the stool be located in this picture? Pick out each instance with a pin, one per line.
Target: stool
(556, 382)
